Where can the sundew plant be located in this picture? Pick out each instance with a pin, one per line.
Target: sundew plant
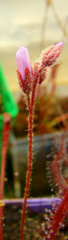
(54, 218)
(29, 77)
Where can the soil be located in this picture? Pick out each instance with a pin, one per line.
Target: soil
(12, 225)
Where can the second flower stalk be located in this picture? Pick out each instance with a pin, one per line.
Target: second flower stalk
(29, 77)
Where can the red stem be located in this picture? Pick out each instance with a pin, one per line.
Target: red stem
(28, 171)
(59, 216)
(30, 108)
(6, 129)
(59, 180)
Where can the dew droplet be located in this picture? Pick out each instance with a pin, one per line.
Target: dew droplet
(48, 236)
(3, 224)
(43, 226)
(46, 232)
(51, 231)
(48, 226)
(46, 210)
(63, 226)
(52, 190)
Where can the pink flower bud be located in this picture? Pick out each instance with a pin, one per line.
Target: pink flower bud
(23, 61)
(50, 56)
(24, 71)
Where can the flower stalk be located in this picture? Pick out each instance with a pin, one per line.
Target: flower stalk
(6, 130)
(29, 76)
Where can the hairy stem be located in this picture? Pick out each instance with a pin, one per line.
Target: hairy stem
(59, 216)
(29, 169)
(30, 108)
(6, 129)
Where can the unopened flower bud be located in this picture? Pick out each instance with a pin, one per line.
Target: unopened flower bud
(24, 69)
(50, 56)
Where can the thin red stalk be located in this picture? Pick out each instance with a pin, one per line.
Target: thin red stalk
(33, 93)
(28, 100)
(30, 107)
(6, 129)
(63, 207)
(28, 171)
(59, 180)
(59, 217)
